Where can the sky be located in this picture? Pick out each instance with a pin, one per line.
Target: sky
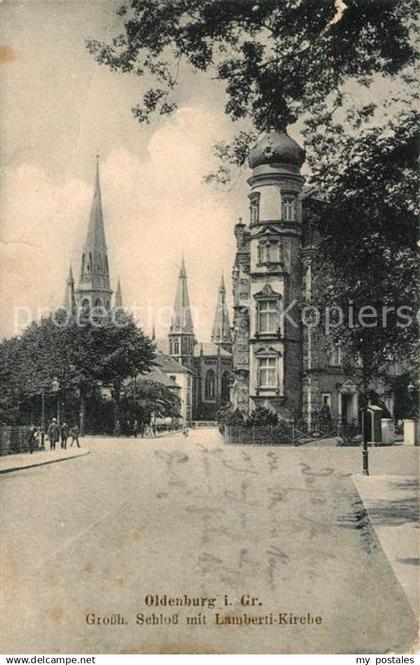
(60, 108)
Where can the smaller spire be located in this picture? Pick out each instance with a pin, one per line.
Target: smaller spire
(69, 299)
(153, 332)
(221, 328)
(183, 271)
(118, 295)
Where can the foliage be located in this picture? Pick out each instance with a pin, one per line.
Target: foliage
(368, 258)
(276, 59)
(227, 415)
(80, 352)
(143, 397)
(261, 417)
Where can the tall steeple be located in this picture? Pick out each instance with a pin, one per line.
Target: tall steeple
(69, 299)
(221, 328)
(118, 295)
(94, 283)
(181, 332)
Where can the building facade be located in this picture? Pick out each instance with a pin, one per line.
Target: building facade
(278, 363)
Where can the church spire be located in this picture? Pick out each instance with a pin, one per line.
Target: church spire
(69, 300)
(221, 328)
(181, 318)
(118, 295)
(94, 284)
(181, 332)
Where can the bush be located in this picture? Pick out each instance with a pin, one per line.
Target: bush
(261, 417)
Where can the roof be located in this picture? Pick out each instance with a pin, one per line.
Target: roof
(276, 147)
(169, 365)
(158, 376)
(210, 349)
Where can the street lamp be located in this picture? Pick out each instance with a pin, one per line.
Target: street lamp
(365, 449)
(55, 386)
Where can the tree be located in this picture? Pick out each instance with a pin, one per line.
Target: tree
(145, 397)
(81, 352)
(368, 260)
(277, 60)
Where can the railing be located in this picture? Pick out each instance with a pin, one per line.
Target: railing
(13, 440)
(288, 433)
(268, 435)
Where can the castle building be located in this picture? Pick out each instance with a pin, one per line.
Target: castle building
(292, 369)
(267, 279)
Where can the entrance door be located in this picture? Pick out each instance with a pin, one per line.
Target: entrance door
(346, 408)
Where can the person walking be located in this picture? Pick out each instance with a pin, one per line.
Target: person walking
(135, 428)
(32, 438)
(117, 428)
(74, 432)
(53, 433)
(64, 435)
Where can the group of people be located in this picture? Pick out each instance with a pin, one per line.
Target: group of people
(55, 433)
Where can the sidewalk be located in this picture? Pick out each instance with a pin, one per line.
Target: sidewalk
(10, 463)
(392, 504)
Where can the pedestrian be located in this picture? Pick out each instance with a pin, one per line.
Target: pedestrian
(135, 428)
(186, 431)
(128, 428)
(53, 433)
(32, 438)
(117, 428)
(64, 435)
(74, 432)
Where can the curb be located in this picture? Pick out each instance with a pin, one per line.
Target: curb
(52, 461)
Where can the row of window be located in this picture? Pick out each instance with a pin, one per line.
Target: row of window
(288, 208)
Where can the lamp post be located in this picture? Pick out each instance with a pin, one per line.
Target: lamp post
(43, 418)
(365, 449)
(56, 390)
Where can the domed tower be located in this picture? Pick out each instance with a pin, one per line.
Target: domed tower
(275, 335)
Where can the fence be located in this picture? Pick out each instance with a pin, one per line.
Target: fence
(13, 440)
(287, 433)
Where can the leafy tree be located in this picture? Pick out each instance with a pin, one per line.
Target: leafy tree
(81, 352)
(368, 258)
(276, 59)
(144, 397)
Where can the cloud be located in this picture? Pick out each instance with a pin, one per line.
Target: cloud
(156, 207)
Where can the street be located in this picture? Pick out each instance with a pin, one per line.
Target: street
(194, 516)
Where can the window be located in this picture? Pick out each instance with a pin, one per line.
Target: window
(225, 387)
(210, 384)
(98, 302)
(326, 399)
(288, 208)
(268, 252)
(255, 208)
(267, 373)
(335, 356)
(172, 377)
(175, 347)
(268, 316)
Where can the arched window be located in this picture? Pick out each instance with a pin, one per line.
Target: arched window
(225, 396)
(98, 302)
(85, 303)
(175, 347)
(210, 387)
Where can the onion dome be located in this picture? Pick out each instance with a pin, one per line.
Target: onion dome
(275, 147)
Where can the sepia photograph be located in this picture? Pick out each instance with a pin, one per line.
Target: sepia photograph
(209, 328)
